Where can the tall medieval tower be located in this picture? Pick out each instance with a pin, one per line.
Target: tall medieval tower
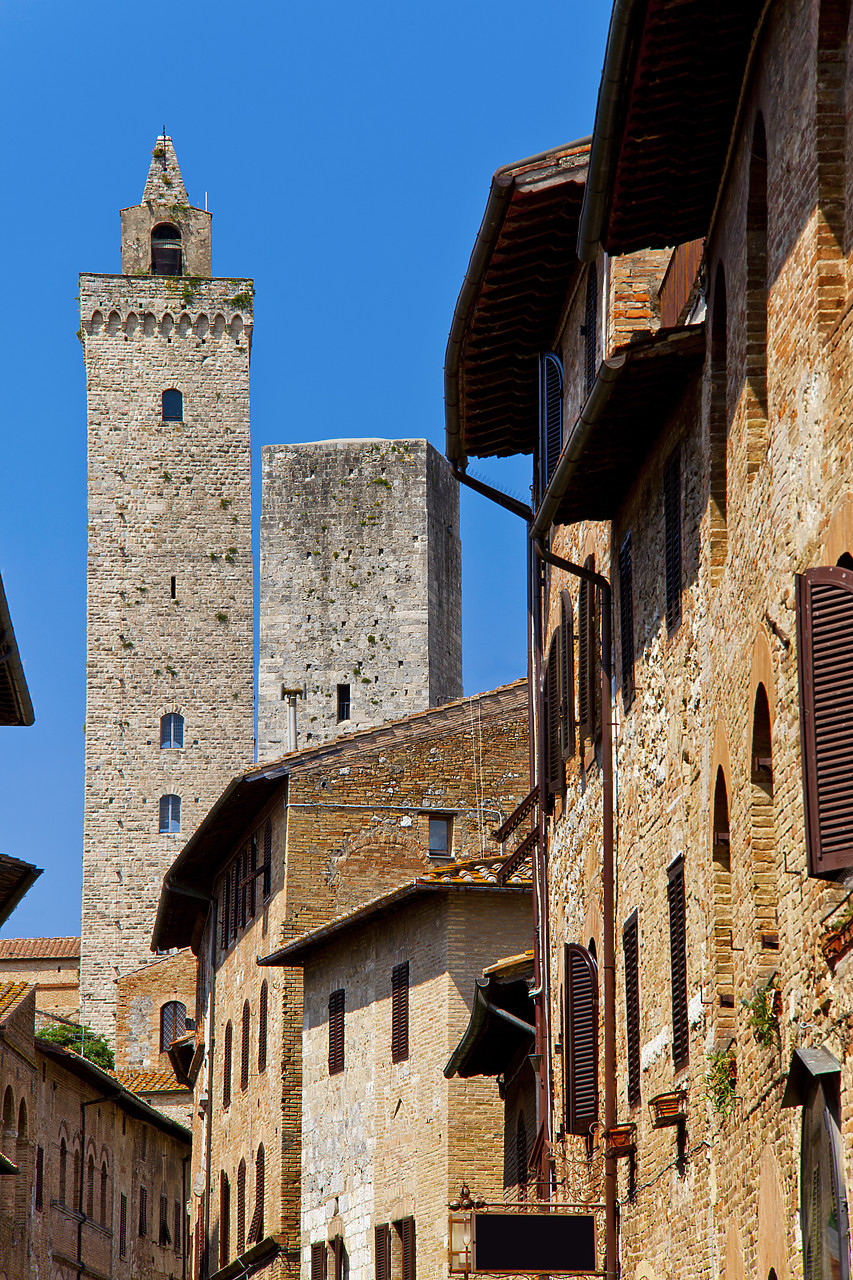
(169, 685)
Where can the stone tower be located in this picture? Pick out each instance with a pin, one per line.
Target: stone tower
(169, 684)
(361, 588)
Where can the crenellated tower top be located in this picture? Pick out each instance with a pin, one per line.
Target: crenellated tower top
(165, 235)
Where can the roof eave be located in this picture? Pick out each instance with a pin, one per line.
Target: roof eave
(12, 661)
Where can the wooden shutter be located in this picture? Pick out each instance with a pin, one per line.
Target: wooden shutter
(672, 534)
(226, 910)
(241, 1207)
(567, 675)
(244, 1049)
(550, 414)
(177, 1219)
(39, 1177)
(551, 726)
(226, 1066)
(678, 962)
(235, 898)
(224, 1219)
(338, 1257)
(631, 950)
(165, 1236)
(256, 1229)
(262, 1026)
(590, 328)
(122, 1227)
(825, 659)
(241, 864)
(587, 658)
(382, 1252)
(267, 863)
(143, 1211)
(626, 620)
(580, 1042)
(336, 1032)
(252, 875)
(407, 1239)
(400, 1012)
(318, 1262)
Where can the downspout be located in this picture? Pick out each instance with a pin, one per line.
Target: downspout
(184, 1161)
(210, 1037)
(609, 947)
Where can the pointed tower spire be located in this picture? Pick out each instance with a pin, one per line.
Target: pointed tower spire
(165, 184)
(164, 234)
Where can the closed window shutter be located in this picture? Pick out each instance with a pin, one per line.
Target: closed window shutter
(267, 864)
(177, 1219)
(407, 1239)
(678, 963)
(567, 676)
(631, 949)
(553, 755)
(235, 898)
(165, 1236)
(626, 620)
(551, 414)
(262, 1027)
(400, 1012)
(39, 1177)
(178, 730)
(338, 1255)
(591, 325)
(825, 659)
(143, 1211)
(241, 1207)
(226, 1067)
(382, 1252)
(167, 1025)
(336, 1032)
(672, 534)
(244, 1049)
(580, 1049)
(252, 875)
(224, 1220)
(226, 910)
(242, 868)
(318, 1262)
(122, 1227)
(587, 658)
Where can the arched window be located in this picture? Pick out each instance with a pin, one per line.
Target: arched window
(244, 1057)
(719, 426)
(226, 1067)
(63, 1170)
(170, 813)
(173, 406)
(76, 1202)
(262, 1026)
(171, 730)
(590, 327)
(90, 1187)
(722, 864)
(173, 1023)
(104, 1188)
(22, 1160)
(756, 300)
(241, 1207)
(166, 255)
(763, 831)
(256, 1230)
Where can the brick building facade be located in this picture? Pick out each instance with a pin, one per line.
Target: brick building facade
(288, 847)
(51, 965)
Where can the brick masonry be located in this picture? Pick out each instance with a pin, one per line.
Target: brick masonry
(170, 617)
(369, 592)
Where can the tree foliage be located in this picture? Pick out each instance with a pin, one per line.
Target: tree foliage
(82, 1040)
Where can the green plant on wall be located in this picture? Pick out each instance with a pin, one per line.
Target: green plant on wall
(764, 1009)
(721, 1081)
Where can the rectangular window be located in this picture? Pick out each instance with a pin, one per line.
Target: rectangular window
(343, 702)
(174, 587)
(122, 1227)
(336, 1031)
(400, 1012)
(39, 1177)
(143, 1211)
(405, 1230)
(382, 1252)
(626, 620)
(440, 837)
(678, 963)
(631, 950)
(318, 1261)
(672, 536)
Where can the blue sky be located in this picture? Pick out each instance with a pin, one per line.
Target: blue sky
(346, 152)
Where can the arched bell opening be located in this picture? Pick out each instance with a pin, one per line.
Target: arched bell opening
(166, 252)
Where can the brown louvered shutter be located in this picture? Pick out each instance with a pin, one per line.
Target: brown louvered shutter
(252, 876)
(241, 1207)
(235, 898)
(678, 962)
(580, 1049)
(224, 1219)
(176, 1205)
(122, 1226)
(407, 1239)
(226, 1066)
(225, 922)
(336, 1032)
(825, 659)
(262, 1026)
(242, 871)
(626, 620)
(338, 1256)
(400, 1012)
(382, 1252)
(587, 657)
(672, 535)
(318, 1262)
(267, 864)
(244, 1049)
(631, 950)
(256, 1229)
(590, 328)
(567, 676)
(553, 755)
(550, 414)
(143, 1211)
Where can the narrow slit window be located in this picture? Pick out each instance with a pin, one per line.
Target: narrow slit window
(173, 406)
(174, 587)
(170, 814)
(343, 702)
(171, 730)
(440, 838)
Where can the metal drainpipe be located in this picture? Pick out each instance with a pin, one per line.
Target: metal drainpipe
(183, 1224)
(608, 923)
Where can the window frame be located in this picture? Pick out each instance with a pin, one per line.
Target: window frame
(170, 814)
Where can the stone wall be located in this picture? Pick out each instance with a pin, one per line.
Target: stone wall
(361, 583)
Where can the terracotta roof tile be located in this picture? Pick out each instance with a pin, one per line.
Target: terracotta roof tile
(142, 1082)
(39, 948)
(10, 994)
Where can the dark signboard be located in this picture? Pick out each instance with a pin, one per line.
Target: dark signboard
(534, 1242)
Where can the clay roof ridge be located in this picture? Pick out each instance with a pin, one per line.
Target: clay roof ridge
(38, 948)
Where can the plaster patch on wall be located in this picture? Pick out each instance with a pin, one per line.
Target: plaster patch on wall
(654, 1049)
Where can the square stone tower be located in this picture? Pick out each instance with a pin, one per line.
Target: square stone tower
(361, 588)
(169, 685)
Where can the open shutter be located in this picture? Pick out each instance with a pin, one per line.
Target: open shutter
(382, 1252)
(241, 1207)
(631, 949)
(267, 863)
(672, 536)
(590, 328)
(567, 676)
(318, 1261)
(553, 755)
(580, 1048)
(407, 1237)
(678, 962)
(256, 1230)
(400, 1012)
(550, 414)
(338, 1256)
(262, 1026)
(825, 657)
(626, 620)
(252, 875)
